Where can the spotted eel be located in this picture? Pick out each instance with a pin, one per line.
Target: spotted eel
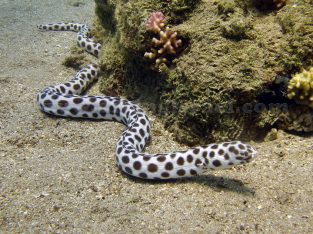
(66, 100)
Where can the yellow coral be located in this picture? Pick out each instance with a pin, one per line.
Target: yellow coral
(300, 87)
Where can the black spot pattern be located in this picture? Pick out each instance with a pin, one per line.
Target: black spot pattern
(181, 172)
(152, 167)
(47, 103)
(137, 165)
(216, 163)
(78, 100)
(74, 111)
(180, 161)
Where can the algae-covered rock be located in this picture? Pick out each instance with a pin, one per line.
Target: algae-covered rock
(222, 84)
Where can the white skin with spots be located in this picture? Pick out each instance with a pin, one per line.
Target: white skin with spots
(65, 100)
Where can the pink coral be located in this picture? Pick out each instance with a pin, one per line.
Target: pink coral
(155, 22)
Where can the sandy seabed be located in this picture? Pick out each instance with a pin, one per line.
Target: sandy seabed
(59, 175)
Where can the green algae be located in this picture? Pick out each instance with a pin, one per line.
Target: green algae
(76, 59)
(233, 52)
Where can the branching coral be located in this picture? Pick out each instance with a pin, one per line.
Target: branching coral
(300, 87)
(167, 45)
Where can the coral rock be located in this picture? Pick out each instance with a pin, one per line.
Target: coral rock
(300, 87)
(298, 118)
